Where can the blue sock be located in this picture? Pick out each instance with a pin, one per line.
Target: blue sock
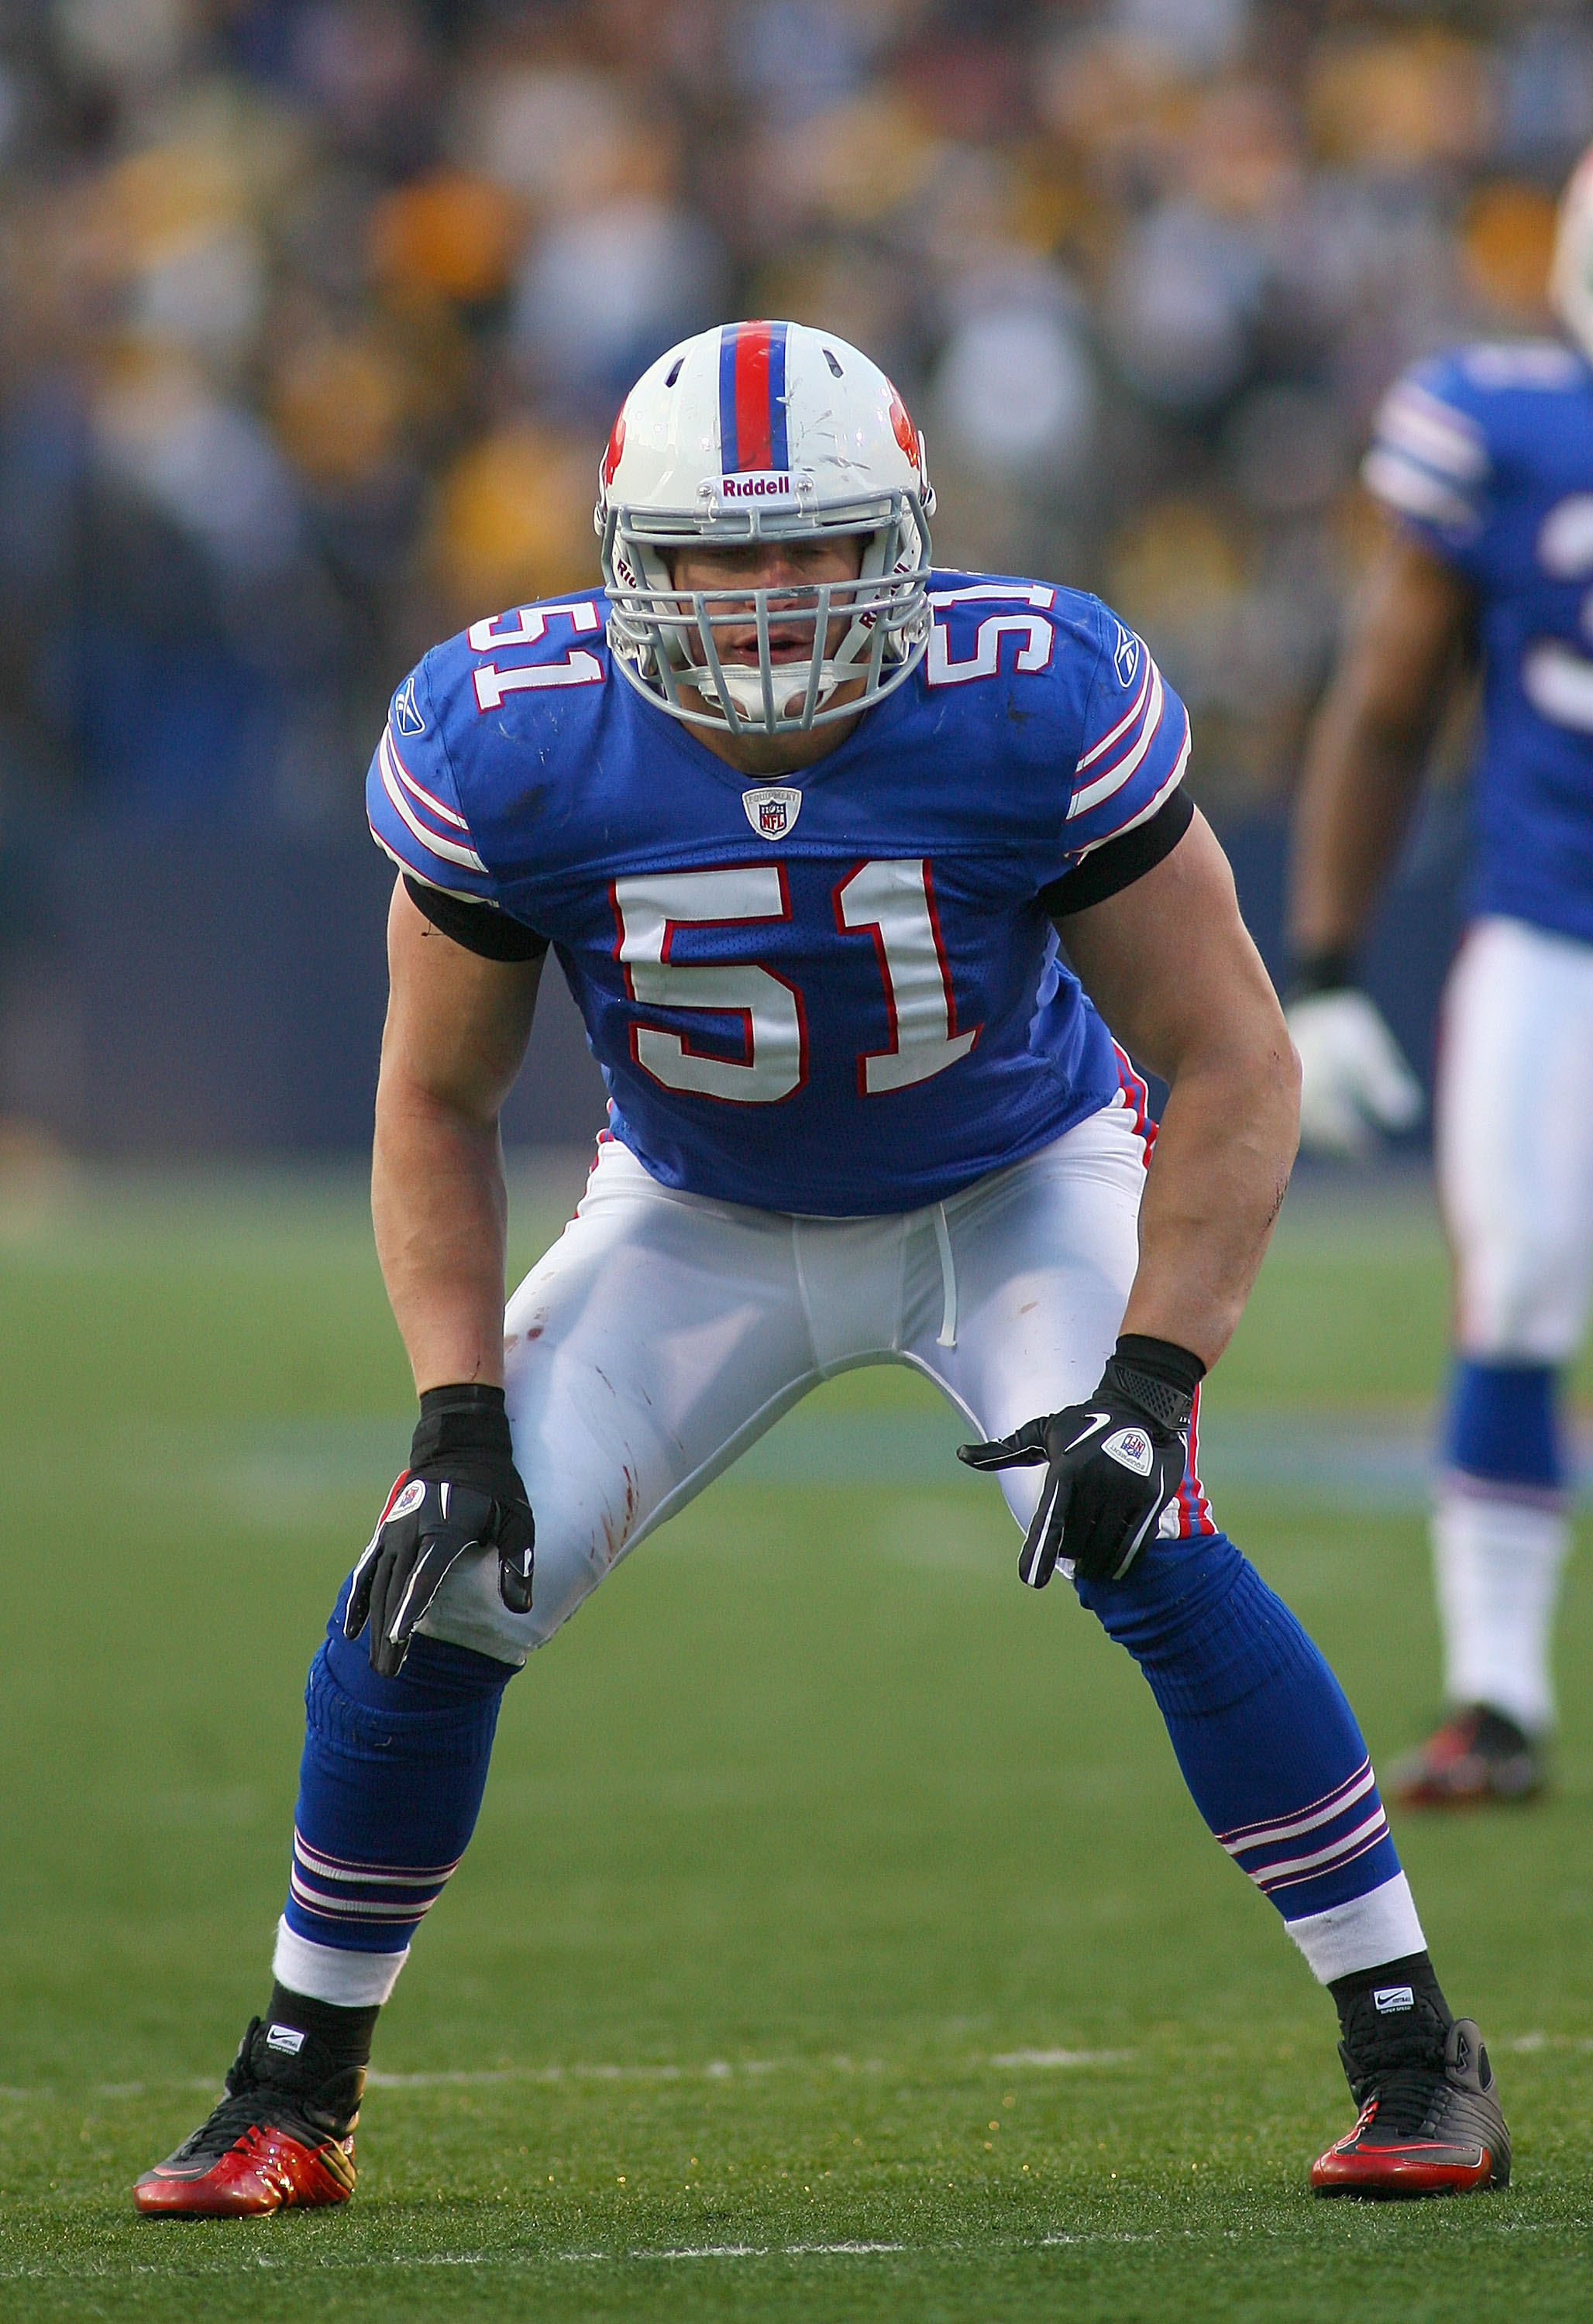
(389, 1786)
(1266, 1741)
(1503, 1425)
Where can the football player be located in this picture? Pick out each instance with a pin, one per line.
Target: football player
(802, 818)
(1484, 458)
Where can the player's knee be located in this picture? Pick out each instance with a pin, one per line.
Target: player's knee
(443, 1704)
(1524, 1303)
(468, 1610)
(1503, 1425)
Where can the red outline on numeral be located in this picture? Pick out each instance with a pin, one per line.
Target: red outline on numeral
(874, 929)
(713, 1057)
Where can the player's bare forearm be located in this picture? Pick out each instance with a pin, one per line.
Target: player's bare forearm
(456, 1032)
(1170, 966)
(1368, 747)
(1222, 1158)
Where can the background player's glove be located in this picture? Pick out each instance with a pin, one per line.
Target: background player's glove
(1114, 1462)
(461, 1491)
(1355, 1080)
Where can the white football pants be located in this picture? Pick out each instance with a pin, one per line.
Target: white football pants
(663, 1332)
(1514, 1140)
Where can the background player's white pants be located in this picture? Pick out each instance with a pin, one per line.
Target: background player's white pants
(1515, 1134)
(663, 1332)
(1515, 1137)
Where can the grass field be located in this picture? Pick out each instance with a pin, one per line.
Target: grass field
(838, 1942)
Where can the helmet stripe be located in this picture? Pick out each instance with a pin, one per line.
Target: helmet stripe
(752, 397)
(728, 447)
(779, 457)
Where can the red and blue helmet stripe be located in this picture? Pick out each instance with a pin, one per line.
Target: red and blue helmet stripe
(752, 398)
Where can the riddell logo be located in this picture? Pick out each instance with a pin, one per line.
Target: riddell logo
(757, 485)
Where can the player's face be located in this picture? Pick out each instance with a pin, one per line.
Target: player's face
(792, 569)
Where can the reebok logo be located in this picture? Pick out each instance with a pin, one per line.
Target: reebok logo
(286, 2038)
(1387, 2000)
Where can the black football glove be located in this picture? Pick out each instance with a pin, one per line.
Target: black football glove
(461, 1491)
(1115, 1462)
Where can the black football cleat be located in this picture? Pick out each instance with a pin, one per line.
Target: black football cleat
(1478, 1755)
(1429, 2122)
(282, 2134)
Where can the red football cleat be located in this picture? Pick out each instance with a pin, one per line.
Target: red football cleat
(278, 2136)
(1477, 1755)
(1422, 2131)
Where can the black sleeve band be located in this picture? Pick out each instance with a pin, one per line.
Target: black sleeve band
(1121, 862)
(477, 926)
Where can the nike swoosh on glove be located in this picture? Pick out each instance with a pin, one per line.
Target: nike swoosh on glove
(1113, 1463)
(460, 1493)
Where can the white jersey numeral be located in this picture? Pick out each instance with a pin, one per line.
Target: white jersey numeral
(896, 903)
(1033, 654)
(650, 908)
(893, 903)
(1556, 678)
(528, 627)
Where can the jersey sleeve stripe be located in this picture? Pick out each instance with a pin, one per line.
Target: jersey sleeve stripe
(447, 850)
(1124, 722)
(1411, 420)
(1415, 491)
(418, 791)
(1123, 769)
(1152, 805)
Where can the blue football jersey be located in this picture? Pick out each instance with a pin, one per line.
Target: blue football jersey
(1486, 454)
(837, 992)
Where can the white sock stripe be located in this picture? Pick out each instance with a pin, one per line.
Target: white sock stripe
(337, 1908)
(352, 1979)
(1376, 1840)
(1366, 1931)
(1245, 1835)
(349, 1867)
(362, 1879)
(1296, 1827)
(1273, 1876)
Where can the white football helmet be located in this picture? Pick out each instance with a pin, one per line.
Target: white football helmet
(1571, 274)
(760, 432)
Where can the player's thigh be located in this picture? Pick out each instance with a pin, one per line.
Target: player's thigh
(657, 1336)
(1514, 1140)
(1044, 1257)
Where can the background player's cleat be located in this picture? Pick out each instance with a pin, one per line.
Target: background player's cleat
(1478, 1755)
(282, 2134)
(1429, 2122)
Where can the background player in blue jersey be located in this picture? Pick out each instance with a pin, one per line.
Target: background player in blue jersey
(801, 818)
(1485, 458)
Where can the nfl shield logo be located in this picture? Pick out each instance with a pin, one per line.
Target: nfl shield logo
(772, 809)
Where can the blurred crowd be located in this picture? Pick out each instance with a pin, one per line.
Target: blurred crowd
(315, 313)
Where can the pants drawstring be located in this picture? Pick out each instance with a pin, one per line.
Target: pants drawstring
(948, 1334)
